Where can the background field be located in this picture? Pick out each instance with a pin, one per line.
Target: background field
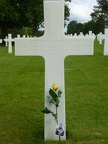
(22, 98)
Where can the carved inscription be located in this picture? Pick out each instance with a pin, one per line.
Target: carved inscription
(53, 43)
(65, 47)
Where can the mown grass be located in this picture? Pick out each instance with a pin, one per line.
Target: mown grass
(22, 98)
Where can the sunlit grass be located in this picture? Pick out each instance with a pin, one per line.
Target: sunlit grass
(22, 98)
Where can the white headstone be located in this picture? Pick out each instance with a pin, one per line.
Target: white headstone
(90, 33)
(54, 46)
(106, 42)
(9, 40)
(18, 36)
(23, 36)
(0, 40)
(75, 35)
(81, 34)
(100, 37)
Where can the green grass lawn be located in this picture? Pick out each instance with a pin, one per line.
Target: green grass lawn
(22, 98)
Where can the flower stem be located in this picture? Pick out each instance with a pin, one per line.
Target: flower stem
(56, 115)
(57, 119)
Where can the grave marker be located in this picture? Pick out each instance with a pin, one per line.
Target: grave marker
(0, 40)
(106, 42)
(54, 46)
(104, 37)
(100, 37)
(9, 40)
(18, 36)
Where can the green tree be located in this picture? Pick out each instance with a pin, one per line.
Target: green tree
(19, 14)
(79, 28)
(23, 13)
(8, 15)
(74, 27)
(100, 15)
(71, 28)
(89, 26)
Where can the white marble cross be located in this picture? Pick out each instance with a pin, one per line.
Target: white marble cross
(54, 46)
(106, 42)
(18, 36)
(104, 37)
(0, 40)
(9, 40)
(100, 37)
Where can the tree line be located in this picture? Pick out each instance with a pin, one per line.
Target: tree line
(26, 16)
(99, 20)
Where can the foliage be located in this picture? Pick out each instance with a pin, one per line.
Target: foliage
(100, 15)
(74, 27)
(89, 26)
(20, 13)
(53, 99)
(23, 13)
(96, 25)
(71, 28)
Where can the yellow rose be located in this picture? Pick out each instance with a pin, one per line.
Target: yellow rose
(55, 87)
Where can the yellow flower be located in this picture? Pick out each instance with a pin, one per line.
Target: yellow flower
(55, 87)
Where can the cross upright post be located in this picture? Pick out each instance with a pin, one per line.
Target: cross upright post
(106, 42)
(9, 40)
(100, 37)
(0, 40)
(54, 46)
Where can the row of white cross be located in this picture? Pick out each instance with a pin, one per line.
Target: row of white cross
(82, 35)
(8, 40)
(101, 37)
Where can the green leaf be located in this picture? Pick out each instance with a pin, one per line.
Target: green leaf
(59, 93)
(53, 95)
(54, 115)
(57, 103)
(52, 101)
(46, 110)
